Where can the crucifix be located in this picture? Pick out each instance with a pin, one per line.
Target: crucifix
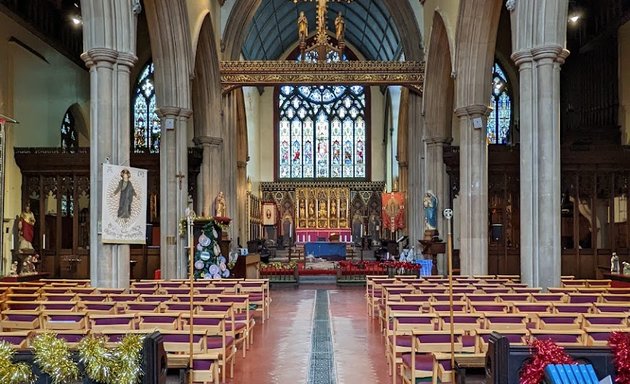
(180, 176)
(322, 44)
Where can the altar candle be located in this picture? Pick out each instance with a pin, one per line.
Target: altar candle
(351, 238)
(361, 229)
(290, 230)
(44, 241)
(12, 242)
(309, 237)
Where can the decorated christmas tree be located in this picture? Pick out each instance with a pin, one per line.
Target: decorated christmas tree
(209, 262)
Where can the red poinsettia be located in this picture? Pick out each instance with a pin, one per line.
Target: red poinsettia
(545, 352)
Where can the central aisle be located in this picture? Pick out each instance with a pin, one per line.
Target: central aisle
(316, 335)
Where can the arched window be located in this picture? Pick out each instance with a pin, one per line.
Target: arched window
(69, 137)
(322, 130)
(500, 119)
(146, 123)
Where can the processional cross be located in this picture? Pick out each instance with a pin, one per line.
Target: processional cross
(322, 44)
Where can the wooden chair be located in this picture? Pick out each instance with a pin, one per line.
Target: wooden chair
(12, 320)
(242, 315)
(550, 297)
(64, 320)
(205, 368)
(516, 336)
(465, 322)
(445, 306)
(258, 292)
(72, 337)
(217, 341)
(161, 321)
(598, 337)
(496, 307)
(232, 327)
(564, 337)
(505, 321)
(610, 308)
(572, 308)
(605, 320)
(97, 307)
(559, 321)
(139, 306)
(399, 335)
(113, 322)
(17, 339)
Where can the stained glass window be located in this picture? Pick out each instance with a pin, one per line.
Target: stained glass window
(146, 123)
(498, 128)
(69, 137)
(322, 130)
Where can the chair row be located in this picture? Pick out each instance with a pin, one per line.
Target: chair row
(423, 354)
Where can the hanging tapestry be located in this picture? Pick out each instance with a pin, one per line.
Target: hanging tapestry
(393, 204)
(124, 205)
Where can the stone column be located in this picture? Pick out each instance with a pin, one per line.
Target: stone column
(211, 171)
(473, 170)
(109, 143)
(416, 187)
(230, 129)
(403, 138)
(539, 72)
(173, 189)
(437, 181)
(241, 198)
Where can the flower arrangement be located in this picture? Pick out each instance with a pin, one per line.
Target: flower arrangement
(209, 263)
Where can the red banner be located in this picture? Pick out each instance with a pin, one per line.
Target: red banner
(393, 211)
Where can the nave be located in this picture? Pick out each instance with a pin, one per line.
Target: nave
(291, 347)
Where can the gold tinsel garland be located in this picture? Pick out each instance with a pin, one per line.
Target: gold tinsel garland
(121, 365)
(10, 373)
(53, 358)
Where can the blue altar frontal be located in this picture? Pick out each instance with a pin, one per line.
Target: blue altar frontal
(324, 249)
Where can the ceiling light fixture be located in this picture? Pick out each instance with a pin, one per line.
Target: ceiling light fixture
(76, 20)
(574, 18)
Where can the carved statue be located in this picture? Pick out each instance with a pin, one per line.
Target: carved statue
(14, 267)
(430, 204)
(323, 212)
(340, 27)
(302, 210)
(311, 209)
(333, 208)
(26, 228)
(220, 209)
(302, 27)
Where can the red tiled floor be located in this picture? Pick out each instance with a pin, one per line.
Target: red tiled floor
(358, 344)
(282, 346)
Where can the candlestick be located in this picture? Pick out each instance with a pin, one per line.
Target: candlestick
(44, 241)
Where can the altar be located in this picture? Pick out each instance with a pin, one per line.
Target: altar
(311, 235)
(325, 250)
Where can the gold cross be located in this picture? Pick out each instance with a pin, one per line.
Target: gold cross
(180, 176)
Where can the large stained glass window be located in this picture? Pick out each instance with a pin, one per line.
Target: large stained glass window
(322, 130)
(146, 123)
(69, 137)
(498, 129)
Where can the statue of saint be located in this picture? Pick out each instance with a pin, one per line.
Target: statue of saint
(323, 211)
(311, 209)
(302, 27)
(302, 210)
(340, 27)
(430, 204)
(26, 228)
(220, 209)
(127, 193)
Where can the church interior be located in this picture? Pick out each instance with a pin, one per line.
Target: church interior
(443, 149)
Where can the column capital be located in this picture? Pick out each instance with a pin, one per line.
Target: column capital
(475, 110)
(108, 56)
(208, 140)
(99, 55)
(521, 57)
(547, 52)
(170, 111)
(438, 140)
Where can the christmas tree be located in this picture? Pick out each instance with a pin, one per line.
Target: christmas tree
(209, 262)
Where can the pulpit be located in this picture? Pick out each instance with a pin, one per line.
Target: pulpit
(433, 247)
(247, 267)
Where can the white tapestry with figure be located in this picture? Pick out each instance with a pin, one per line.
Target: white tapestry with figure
(124, 204)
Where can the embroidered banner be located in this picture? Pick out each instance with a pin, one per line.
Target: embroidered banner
(124, 205)
(393, 210)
